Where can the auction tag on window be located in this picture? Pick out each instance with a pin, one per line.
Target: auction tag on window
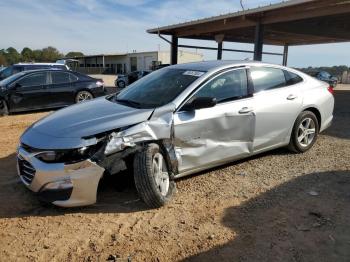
(193, 73)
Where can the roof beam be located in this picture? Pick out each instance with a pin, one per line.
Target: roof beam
(226, 24)
(317, 31)
(312, 10)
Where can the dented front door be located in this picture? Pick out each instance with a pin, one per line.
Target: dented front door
(210, 136)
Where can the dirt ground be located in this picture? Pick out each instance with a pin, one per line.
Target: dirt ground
(273, 207)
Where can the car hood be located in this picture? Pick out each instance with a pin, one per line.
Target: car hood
(67, 126)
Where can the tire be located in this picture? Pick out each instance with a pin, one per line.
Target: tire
(154, 192)
(305, 132)
(121, 84)
(83, 96)
(4, 111)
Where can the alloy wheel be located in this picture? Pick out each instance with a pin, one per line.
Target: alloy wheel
(306, 132)
(84, 96)
(160, 174)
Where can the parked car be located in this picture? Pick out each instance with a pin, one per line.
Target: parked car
(326, 77)
(16, 68)
(47, 88)
(174, 122)
(123, 80)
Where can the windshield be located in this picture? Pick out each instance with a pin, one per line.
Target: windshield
(12, 78)
(158, 88)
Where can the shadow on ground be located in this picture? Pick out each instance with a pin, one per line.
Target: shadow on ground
(341, 121)
(305, 219)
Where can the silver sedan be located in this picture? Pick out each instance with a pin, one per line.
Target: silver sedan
(174, 122)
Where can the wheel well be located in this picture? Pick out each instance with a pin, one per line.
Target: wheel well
(317, 114)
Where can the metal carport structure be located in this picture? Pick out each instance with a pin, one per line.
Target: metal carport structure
(291, 23)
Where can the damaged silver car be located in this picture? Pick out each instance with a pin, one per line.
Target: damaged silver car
(174, 122)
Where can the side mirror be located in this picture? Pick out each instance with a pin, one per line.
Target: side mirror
(199, 103)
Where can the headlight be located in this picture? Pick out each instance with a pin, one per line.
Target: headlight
(66, 156)
(116, 144)
(49, 156)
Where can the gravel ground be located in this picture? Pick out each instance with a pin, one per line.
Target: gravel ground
(273, 207)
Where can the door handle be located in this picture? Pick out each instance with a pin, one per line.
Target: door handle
(291, 97)
(245, 110)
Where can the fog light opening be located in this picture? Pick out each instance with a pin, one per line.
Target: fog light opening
(58, 185)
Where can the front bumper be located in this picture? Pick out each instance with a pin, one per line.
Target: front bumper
(66, 185)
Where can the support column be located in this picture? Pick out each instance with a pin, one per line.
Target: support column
(259, 42)
(174, 49)
(285, 55)
(219, 51)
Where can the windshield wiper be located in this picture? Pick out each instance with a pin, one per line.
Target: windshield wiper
(129, 103)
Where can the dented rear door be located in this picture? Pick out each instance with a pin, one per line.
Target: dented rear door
(211, 136)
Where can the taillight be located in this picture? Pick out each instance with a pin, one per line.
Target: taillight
(330, 90)
(100, 83)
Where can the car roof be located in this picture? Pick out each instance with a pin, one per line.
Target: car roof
(45, 70)
(39, 64)
(218, 64)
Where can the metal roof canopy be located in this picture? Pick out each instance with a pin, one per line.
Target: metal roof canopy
(298, 22)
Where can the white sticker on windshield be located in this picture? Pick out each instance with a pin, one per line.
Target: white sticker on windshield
(193, 73)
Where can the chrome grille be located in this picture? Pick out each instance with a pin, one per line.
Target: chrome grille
(26, 170)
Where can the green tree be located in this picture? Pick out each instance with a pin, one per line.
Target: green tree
(12, 56)
(50, 54)
(27, 54)
(3, 61)
(37, 55)
(74, 54)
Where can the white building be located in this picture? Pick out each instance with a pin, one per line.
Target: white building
(128, 62)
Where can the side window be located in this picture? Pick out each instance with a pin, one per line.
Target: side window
(17, 69)
(227, 86)
(36, 67)
(266, 78)
(62, 67)
(73, 78)
(36, 79)
(60, 77)
(292, 78)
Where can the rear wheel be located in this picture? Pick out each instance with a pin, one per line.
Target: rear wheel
(152, 178)
(83, 96)
(305, 132)
(3, 108)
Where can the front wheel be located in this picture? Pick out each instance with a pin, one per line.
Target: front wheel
(305, 132)
(3, 108)
(83, 96)
(152, 178)
(121, 84)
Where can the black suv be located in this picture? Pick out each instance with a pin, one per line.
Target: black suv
(16, 68)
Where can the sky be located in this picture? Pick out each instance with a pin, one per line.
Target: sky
(118, 26)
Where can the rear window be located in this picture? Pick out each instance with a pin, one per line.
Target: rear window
(292, 78)
(266, 78)
(62, 77)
